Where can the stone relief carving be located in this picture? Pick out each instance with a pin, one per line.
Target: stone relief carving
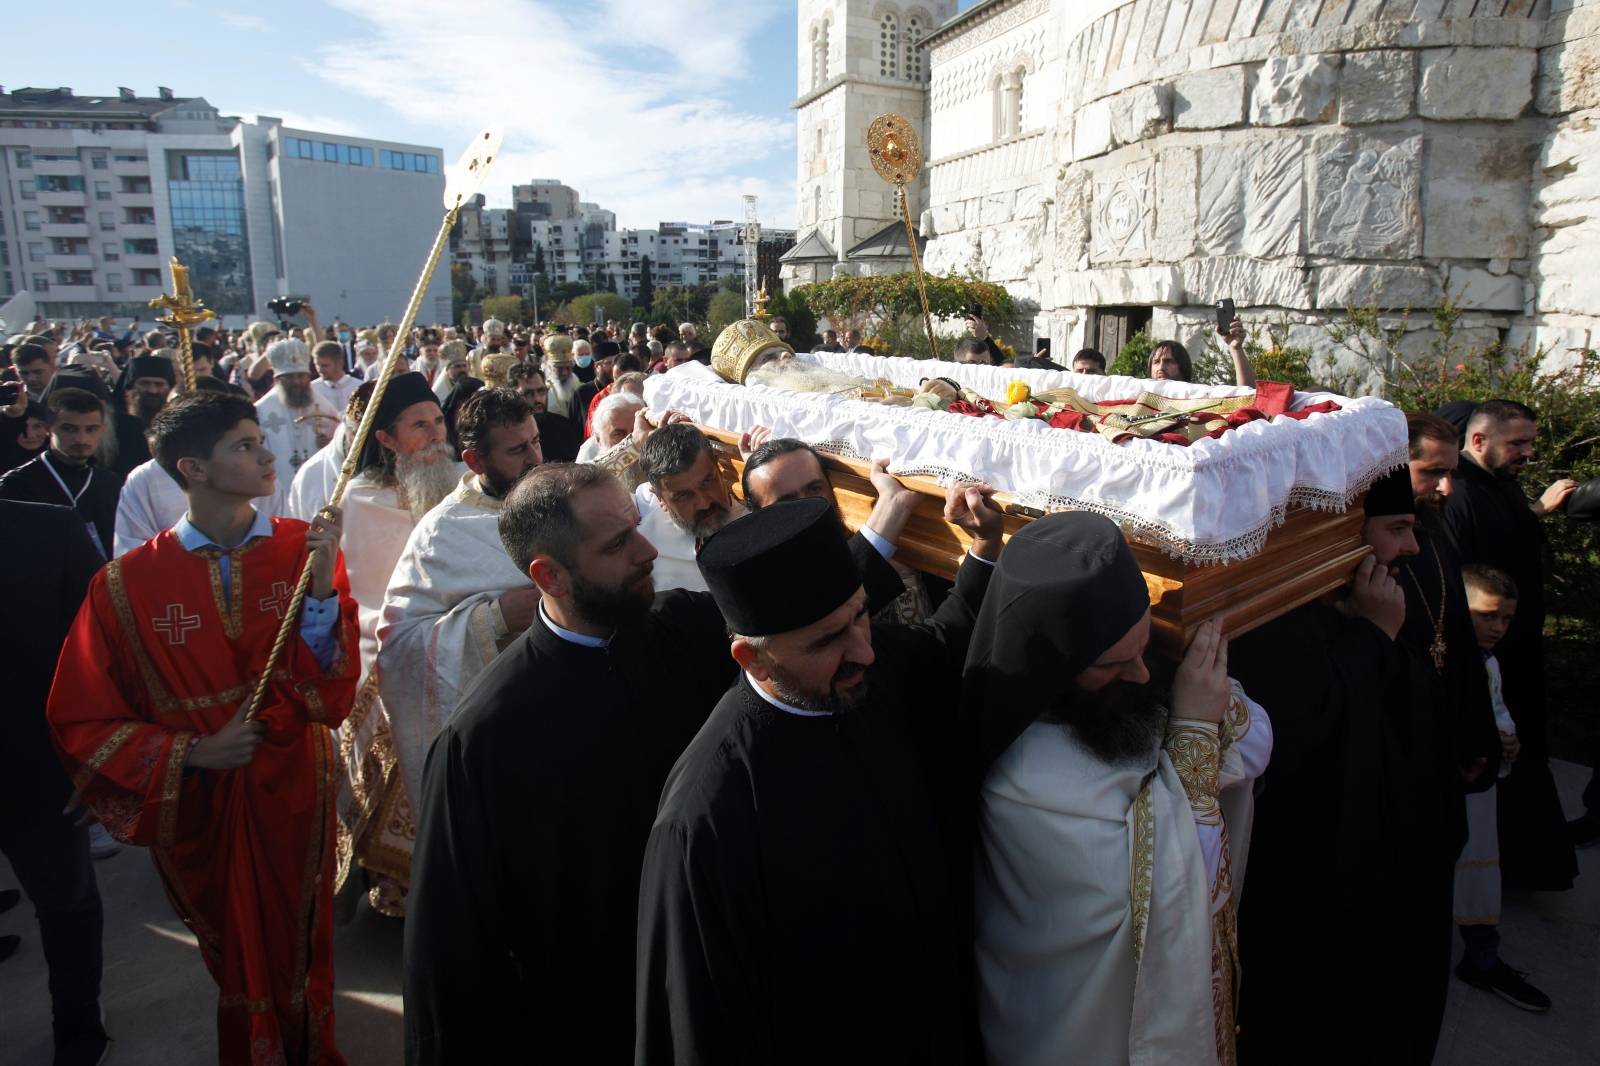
(1364, 198)
(1250, 196)
(990, 28)
(1123, 213)
(1072, 219)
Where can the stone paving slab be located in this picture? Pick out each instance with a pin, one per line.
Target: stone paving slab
(159, 1000)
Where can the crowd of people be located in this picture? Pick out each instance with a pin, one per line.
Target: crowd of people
(662, 767)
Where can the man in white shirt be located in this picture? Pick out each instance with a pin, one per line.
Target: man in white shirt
(332, 383)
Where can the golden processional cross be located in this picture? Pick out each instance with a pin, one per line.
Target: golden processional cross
(183, 313)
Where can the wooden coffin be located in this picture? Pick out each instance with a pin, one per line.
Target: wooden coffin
(1311, 554)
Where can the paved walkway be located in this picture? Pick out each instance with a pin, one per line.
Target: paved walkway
(159, 999)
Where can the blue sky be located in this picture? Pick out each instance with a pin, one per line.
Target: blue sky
(657, 109)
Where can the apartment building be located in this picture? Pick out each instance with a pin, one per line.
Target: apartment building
(97, 193)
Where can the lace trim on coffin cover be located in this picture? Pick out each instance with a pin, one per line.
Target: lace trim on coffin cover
(1153, 533)
(1212, 502)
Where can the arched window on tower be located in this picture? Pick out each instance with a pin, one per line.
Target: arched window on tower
(913, 64)
(1007, 89)
(816, 205)
(889, 46)
(819, 54)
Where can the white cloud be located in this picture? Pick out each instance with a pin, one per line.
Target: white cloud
(249, 23)
(594, 96)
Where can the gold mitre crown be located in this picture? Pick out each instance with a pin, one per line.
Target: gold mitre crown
(737, 348)
(496, 369)
(450, 351)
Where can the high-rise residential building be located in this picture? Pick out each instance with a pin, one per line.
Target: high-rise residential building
(97, 193)
(550, 230)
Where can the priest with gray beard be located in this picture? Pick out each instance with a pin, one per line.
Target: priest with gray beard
(407, 467)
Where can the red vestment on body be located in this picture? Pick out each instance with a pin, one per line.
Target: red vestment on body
(161, 654)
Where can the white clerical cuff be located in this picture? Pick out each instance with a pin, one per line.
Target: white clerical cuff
(979, 558)
(879, 542)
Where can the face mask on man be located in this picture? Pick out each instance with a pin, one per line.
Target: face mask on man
(585, 360)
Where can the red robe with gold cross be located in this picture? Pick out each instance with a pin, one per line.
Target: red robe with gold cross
(158, 657)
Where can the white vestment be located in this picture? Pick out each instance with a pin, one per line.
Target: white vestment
(337, 393)
(1080, 864)
(374, 810)
(675, 566)
(292, 433)
(314, 481)
(151, 502)
(441, 619)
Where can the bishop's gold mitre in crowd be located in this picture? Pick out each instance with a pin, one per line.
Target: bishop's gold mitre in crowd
(743, 346)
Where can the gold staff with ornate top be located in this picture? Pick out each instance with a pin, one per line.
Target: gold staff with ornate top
(897, 157)
(464, 181)
(183, 313)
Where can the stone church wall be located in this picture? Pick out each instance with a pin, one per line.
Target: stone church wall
(1298, 156)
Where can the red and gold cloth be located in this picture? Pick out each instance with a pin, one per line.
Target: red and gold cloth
(161, 655)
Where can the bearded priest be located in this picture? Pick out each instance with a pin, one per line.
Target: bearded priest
(148, 713)
(1114, 825)
(407, 468)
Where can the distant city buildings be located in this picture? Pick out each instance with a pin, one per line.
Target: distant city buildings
(98, 192)
(550, 230)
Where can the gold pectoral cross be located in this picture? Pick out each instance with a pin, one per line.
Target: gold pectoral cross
(1438, 650)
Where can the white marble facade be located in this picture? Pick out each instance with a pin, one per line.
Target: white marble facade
(1297, 156)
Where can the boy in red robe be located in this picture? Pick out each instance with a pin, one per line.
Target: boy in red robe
(147, 710)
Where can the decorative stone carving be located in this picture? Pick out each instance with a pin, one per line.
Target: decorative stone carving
(1250, 193)
(1376, 87)
(1208, 99)
(1249, 282)
(1295, 90)
(1123, 215)
(1476, 83)
(1478, 198)
(1140, 113)
(1074, 205)
(1030, 203)
(1389, 287)
(1364, 197)
(987, 29)
(1175, 204)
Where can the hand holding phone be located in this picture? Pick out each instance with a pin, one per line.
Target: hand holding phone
(1225, 314)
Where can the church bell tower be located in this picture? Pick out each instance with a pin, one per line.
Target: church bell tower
(858, 59)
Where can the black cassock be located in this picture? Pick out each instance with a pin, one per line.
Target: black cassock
(1344, 924)
(1490, 523)
(96, 490)
(796, 904)
(537, 799)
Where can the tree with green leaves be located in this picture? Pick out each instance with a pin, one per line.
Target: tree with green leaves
(505, 308)
(610, 304)
(647, 286)
(463, 290)
(887, 306)
(725, 308)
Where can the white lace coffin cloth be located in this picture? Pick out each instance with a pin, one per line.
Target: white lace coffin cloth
(1214, 501)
